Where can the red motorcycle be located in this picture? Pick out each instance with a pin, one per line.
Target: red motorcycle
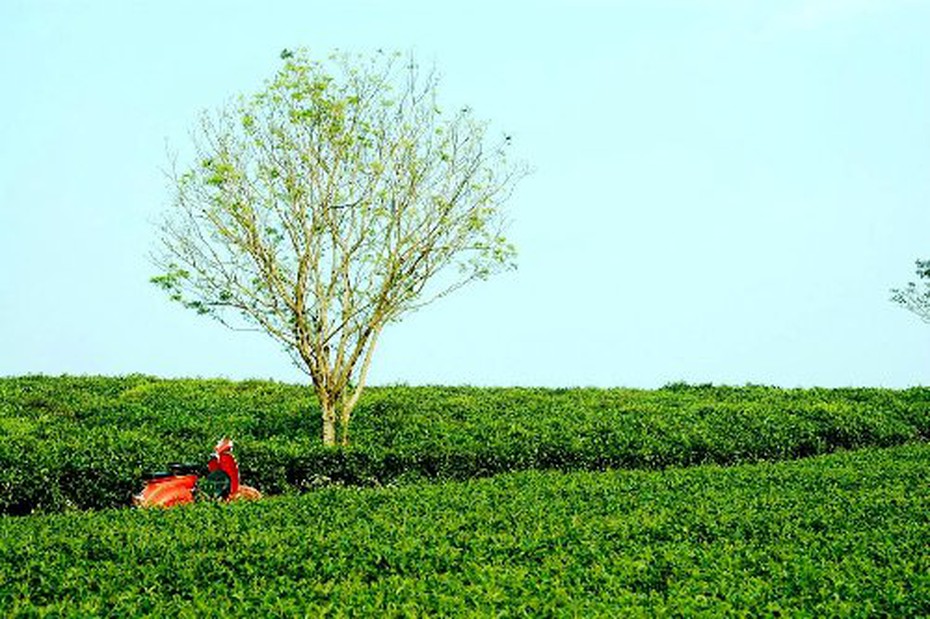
(183, 483)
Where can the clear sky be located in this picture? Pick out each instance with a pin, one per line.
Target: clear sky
(724, 190)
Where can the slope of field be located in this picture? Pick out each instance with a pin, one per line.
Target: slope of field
(837, 535)
(84, 442)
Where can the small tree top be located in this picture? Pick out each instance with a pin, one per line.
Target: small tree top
(912, 297)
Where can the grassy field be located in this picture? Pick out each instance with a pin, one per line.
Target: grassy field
(83, 443)
(838, 535)
(683, 501)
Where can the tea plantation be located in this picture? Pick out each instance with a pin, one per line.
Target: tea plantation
(683, 501)
(838, 535)
(83, 443)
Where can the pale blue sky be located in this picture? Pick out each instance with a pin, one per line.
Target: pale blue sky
(724, 190)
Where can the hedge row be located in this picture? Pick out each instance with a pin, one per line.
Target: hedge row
(842, 535)
(84, 442)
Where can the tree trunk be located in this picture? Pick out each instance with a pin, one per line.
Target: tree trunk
(329, 425)
(349, 398)
(344, 425)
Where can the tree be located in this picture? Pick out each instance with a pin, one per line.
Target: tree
(914, 299)
(331, 203)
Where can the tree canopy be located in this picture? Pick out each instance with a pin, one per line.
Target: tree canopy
(331, 203)
(913, 297)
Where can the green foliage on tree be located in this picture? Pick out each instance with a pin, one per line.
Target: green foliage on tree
(914, 297)
(331, 203)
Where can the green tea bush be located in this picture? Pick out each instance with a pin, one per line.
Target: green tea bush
(84, 442)
(838, 535)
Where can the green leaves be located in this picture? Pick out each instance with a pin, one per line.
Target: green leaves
(51, 430)
(840, 535)
(172, 281)
(911, 297)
